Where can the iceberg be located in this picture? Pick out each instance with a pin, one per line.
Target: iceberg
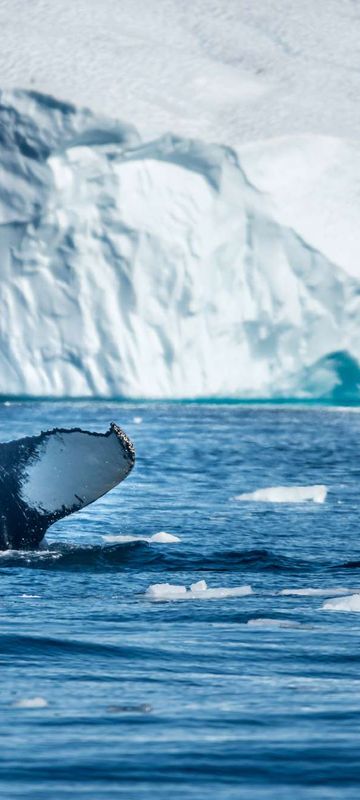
(173, 268)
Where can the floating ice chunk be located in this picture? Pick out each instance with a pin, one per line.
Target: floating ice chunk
(165, 591)
(197, 591)
(315, 592)
(349, 603)
(163, 537)
(137, 420)
(200, 589)
(286, 494)
(31, 702)
(199, 586)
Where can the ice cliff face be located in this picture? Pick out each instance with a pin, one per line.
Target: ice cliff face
(173, 268)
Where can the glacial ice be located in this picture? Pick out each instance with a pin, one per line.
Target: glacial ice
(285, 494)
(173, 268)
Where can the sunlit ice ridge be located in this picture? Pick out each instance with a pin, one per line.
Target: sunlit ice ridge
(174, 269)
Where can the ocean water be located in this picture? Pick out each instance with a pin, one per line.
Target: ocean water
(108, 693)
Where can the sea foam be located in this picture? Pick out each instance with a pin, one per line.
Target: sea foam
(309, 592)
(31, 702)
(269, 622)
(162, 537)
(286, 494)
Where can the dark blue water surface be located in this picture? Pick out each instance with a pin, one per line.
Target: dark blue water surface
(143, 699)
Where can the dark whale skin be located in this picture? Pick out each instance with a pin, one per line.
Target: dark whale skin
(47, 477)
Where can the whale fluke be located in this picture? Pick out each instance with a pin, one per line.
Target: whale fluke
(45, 478)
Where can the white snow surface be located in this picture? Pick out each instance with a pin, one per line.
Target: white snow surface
(349, 603)
(285, 494)
(229, 71)
(197, 591)
(173, 268)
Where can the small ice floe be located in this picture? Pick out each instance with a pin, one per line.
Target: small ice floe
(162, 537)
(268, 622)
(197, 591)
(315, 592)
(286, 494)
(349, 603)
(137, 420)
(31, 702)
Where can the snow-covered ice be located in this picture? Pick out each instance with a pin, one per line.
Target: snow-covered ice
(125, 265)
(197, 591)
(226, 71)
(286, 494)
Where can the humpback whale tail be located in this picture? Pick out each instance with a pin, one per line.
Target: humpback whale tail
(44, 478)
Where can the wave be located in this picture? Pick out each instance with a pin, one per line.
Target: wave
(52, 648)
(143, 555)
(272, 622)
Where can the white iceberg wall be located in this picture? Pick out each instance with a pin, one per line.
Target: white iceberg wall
(174, 268)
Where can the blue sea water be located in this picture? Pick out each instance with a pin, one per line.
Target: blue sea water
(188, 699)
